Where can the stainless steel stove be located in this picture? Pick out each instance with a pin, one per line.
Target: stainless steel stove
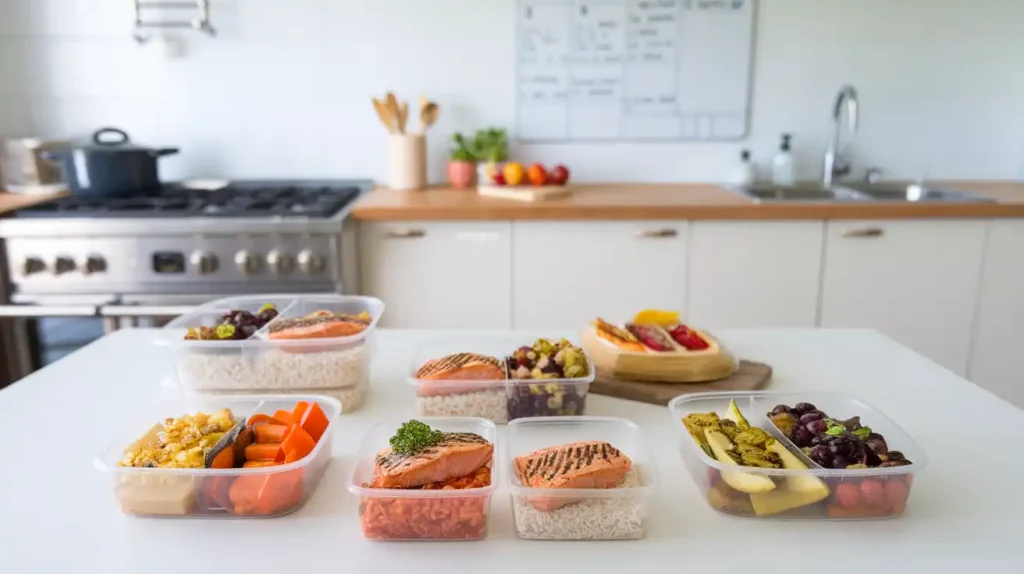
(146, 259)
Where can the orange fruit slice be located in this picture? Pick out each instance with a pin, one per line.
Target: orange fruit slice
(657, 317)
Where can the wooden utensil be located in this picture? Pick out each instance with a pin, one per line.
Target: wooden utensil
(403, 117)
(384, 114)
(751, 376)
(392, 103)
(428, 115)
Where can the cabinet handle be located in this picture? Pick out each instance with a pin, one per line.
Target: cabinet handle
(405, 234)
(657, 233)
(865, 232)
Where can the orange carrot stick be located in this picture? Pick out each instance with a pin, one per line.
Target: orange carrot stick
(299, 410)
(269, 433)
(284, 417)
(297, 445)
(262, 452)
(260, 463)
(314, 421)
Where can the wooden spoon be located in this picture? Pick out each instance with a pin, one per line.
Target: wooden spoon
(384, 114)
(428, 116)
(403, 117)
(392, 104)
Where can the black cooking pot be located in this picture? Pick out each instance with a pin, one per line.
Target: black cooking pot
(110, 166)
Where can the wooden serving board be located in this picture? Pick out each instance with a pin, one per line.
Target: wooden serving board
(524, 192)
(751, 376)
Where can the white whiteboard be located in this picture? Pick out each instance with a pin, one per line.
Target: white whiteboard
(628, 70)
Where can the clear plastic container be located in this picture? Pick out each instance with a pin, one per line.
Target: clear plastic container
(394, 514)
(578, 513)
(174, 492)
(337, 366)
(809, 493)
(496, 400)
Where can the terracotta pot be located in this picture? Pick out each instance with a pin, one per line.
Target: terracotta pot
(461, 174)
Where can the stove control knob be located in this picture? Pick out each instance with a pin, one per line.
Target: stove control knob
(280, 262)
(203, 262)
(310, 262)
(32, 265)
(248, 263)
(93, 264)
(62, 265)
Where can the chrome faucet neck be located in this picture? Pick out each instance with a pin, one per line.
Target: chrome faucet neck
(835, 164)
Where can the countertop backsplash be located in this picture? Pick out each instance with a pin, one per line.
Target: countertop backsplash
(284, 88)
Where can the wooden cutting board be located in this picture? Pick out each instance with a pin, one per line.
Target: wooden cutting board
(751, 376)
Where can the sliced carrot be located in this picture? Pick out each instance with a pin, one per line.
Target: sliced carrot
(284, 417)
(224, 459)
(262, 452)
(314, 421)
(260, 463)
(280, 492)
(258, 418)
(245, 493)
(298, 445)
(300, 408)
(269, 433)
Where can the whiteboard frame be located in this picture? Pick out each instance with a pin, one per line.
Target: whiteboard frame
(747, 116)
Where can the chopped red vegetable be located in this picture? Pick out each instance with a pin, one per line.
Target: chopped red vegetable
(298, 445)
(314, 421)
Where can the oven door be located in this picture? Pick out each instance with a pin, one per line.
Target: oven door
(36, 331)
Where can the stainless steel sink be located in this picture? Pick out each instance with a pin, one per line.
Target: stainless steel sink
(912, 192)
(799, 193)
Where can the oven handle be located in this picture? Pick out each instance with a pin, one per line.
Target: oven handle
(146, 310)
(33, 311)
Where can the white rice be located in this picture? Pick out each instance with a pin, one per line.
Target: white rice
(589, 519)
(273, 369)
(489, 404)
(351, 397)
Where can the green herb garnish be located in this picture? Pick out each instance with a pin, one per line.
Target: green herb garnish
(835, 428)
(414, 436)
(266, 307)
(862, 433)
(225, 331)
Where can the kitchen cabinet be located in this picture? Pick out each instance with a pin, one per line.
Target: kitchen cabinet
(915, 281)
(567, 273)
(754, 274)
(997, 358)
(439, 274)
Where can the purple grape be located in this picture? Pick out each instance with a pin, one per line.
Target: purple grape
(802, 437)
(840, 461)
(804, 407)
(817, 427)
(778, 410)
(810, 417)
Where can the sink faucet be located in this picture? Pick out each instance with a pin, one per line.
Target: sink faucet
(835, 164)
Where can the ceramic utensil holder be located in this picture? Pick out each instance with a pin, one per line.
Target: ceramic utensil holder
(407, 161)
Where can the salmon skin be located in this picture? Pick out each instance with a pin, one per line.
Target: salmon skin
(456, 455)
(318, 326)
(591, 464)
(458, 367)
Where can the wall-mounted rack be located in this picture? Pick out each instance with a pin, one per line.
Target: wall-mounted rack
(200, 23)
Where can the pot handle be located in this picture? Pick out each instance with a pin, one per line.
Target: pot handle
(164, 151)
(123, 138)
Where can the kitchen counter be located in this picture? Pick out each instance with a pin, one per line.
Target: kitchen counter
(964, 514)
(696, 201)
(13, 201)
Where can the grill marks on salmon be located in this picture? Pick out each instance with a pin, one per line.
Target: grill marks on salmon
(593, 464)
(318, 326)
(456, 455)
(469, 367)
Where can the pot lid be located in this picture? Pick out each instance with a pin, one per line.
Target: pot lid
(111, 139)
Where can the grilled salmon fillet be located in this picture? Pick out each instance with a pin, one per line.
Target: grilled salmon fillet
(456, 455)
(591, 464)
(458, 367)
(318, 326)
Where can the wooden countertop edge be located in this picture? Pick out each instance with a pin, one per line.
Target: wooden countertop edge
(670, 201)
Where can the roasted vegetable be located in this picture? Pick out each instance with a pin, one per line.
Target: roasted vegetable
(222, 455)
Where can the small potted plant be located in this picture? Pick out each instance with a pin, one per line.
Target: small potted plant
(461, 163)
(490, 147)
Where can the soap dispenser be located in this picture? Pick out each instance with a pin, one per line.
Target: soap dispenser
(744, 173)
(783, 172)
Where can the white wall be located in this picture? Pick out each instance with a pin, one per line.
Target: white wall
(285, 89)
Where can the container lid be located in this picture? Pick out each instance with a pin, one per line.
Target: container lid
(111, 140)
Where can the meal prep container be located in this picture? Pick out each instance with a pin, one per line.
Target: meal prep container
(595, 514)
(499, 401)
(335, 366)
(852, 494)
(173, 492)
(396, 514)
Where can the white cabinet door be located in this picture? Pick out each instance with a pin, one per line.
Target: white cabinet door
(567, 273)
(439, 275)
(997, 360)
(915, 281)
(754, 274)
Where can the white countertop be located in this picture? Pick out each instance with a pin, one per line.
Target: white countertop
(57, 512)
